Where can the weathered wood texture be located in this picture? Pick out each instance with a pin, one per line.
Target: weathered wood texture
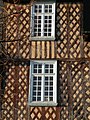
(73, 71)
(73, 93)
(66, 45)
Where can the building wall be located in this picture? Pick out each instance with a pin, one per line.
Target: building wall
(73, 65)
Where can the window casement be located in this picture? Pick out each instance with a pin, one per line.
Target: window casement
(43, 21)
(43, 83)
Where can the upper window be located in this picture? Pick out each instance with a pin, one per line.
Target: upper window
(43, 21)
(43, 83)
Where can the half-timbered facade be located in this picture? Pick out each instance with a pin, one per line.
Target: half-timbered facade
(48, 70)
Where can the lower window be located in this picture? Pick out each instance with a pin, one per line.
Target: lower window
(43, 83)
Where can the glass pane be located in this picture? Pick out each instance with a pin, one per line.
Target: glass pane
(46, 99)
(48, 8)
(35, 71)
(34, 78)
(38, 98)
(40, 66)
(46, 71)
(51, 93)
(46, 88)
(49, 34)
(37, 25)
(46, 93)
(38, 8)
(51, 70)
(39, 93)
(39, 78)
(35, 65)
(51, 78)
(46, 83)
(34, 98)
(39, 88)
(51, 98)
(47, 25)
(51, 88)
(39, 70)
(34, 93)
(46, 78)
(51, 65)
(46, 66)
(34, 88)
(34, 83)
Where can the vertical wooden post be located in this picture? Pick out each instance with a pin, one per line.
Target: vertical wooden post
(70, 100)
(0, 98)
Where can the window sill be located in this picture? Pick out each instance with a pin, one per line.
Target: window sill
(43, 104)
(42, 38)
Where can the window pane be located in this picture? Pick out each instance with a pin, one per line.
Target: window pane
(46, 83)
(51, 65)
(34, 93)
(39, 93)
(46, 78)
(46, 88)
(38, 8)
(43, 15)
(51, 98)
(46, 98)
(51, 93)
(46, 71)
(46, 66)
(37, 88)
(37, 25)
(34, 78)
(48, 91)
(38, 98)
(34, 98)
(51, 88)
(37, 68)
(35, 71)
(47, 25)
(42, 78)
(40, 66)
(48, 8)
(51, 70)
(35, 65)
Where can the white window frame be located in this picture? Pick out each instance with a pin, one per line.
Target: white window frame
(43, 103)
(52, 37)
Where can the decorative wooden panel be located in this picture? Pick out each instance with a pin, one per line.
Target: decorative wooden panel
(18, 30)
(42, 49)
(61, 30)
(86, 85)
(74, 30)
(63, 95)
(8, 101)
(74, 88)
(16, 91)
(77, 94)
(68, 30)
(44, 113)
(87, 49)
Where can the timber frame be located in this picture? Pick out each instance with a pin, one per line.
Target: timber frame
(69, 49)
